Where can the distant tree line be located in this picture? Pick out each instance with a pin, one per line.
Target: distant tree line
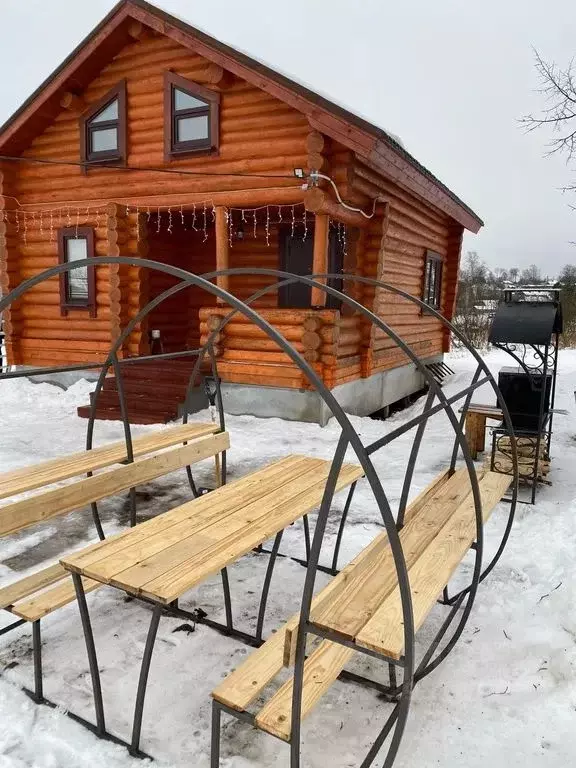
(480, 289)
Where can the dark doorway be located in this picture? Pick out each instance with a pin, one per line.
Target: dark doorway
(296, 256)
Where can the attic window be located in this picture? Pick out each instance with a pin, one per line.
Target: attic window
(191, 115)
(103, 129)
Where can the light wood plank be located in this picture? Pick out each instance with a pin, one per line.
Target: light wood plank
(321, 669)
(183, 542)
(359, 599)
(46, 602)
(429, 575)
(419, 501)
(334, 587)
(187, 574)
(245, 683)
(490, 411)
(257, 483)
(59, 501)
(31, 584)
(355, 571)
(63, 468)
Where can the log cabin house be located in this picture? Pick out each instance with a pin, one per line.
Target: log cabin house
(153, 139)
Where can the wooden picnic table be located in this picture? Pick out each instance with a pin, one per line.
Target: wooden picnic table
(163, 558)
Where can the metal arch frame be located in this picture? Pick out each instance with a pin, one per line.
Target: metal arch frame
(477, 577)
(349, 436)
(319, 536)
(379, 323)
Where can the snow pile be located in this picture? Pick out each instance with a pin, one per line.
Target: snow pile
(506, 697)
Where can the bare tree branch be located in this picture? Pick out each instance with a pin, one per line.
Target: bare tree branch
(558, 86)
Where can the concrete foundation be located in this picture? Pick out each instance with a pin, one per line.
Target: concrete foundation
(359, 398)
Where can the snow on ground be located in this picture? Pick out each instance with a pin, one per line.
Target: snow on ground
(506, 696)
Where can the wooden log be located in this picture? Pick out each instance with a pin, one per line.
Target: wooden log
(277, 316)
(311, 340)
(317, 201)
(320, 257)
(213, 322)
(246, 331)
(315, 142)
(316, 162)
(139, 31)
(222, 246)
(257, 345)
(255, 356)
(72, 102)
(311, 323)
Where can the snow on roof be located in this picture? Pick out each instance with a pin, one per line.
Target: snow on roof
(285, 73)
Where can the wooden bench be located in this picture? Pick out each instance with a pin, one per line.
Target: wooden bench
(39, 594)
(164, 558)
(476, 416)
(362, 604)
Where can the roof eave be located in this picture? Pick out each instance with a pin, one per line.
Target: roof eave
(373, 144)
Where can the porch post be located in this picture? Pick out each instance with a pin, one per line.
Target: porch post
(320, 262)
(222, 247)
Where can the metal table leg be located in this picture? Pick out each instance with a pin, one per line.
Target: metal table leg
(91, 650)
(143, 682)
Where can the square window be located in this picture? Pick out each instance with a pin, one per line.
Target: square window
(104, 140)
(192, 128)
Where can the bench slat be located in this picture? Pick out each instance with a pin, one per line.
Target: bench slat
(245, 683)
(59, 501)
(352, 606)
(356, 568)
(201, 510)
(429, 575)
(189, 572)
(31, 584)
(321, 669)
(63, 468)
(46, 602)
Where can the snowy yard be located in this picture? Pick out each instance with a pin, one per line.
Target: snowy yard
(506, 696)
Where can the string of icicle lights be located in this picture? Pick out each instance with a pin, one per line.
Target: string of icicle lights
(196, 217)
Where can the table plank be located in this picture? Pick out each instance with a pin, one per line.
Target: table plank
(187, 574)
(256, 482)
(174, 547)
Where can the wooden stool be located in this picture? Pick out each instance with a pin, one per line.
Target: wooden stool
(476, 425)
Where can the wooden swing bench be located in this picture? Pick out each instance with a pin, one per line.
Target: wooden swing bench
(161, 452)
(362, 604)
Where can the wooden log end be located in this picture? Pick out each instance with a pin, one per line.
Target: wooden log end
(72, 101)
(311, 323)
(311, 340)
(213, 322)
(315, 142)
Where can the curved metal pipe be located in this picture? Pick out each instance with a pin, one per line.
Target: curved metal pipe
(351, 436)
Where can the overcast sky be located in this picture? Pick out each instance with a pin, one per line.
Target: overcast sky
(450, 77)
